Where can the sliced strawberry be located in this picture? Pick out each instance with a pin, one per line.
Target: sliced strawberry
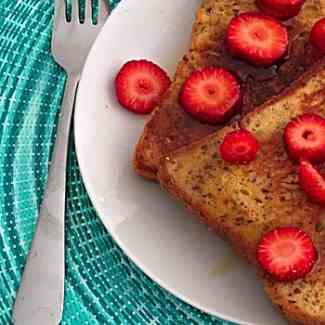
(239, 147)
(257, 38)
(211, 95)
(282, 9)
(305, 138)
(312, 182)
(139, 86)
(317, 36)
(287, 253)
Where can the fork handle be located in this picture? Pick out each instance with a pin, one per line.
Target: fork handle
(40, 296)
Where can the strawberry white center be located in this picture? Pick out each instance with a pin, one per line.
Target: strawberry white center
(286, 254)
(286, 248)
(144, 86)
(241, 148)
(217, 92)
(213, 92)
(258, 35)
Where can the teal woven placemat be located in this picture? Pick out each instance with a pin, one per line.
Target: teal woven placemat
(102, 285)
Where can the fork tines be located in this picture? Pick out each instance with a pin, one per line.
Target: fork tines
(102, 12)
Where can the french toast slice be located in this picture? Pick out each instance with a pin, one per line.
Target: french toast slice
(170, 127)
(242, 202)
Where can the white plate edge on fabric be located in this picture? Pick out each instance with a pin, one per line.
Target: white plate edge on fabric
(91, 145)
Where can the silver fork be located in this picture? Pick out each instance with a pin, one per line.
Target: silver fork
(40, 296)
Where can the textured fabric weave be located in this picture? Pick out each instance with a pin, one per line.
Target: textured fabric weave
(102, 285)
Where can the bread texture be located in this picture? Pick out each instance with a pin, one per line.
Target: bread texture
(242, 202)
(170, 127)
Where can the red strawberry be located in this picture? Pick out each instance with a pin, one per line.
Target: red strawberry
(317, 36)
(239, 147)
(282, 9)
(257, 38)
(139, 86)
(287, 253)
(211, 95)
(305, 138)
(312, 182)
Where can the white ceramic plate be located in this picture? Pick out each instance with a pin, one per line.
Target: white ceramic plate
(161, 237)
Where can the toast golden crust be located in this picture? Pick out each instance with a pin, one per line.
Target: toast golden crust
(170, 127)
(242, 202)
